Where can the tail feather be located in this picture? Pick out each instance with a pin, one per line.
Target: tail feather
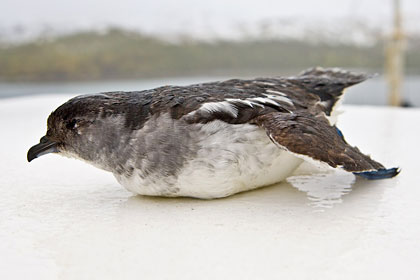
(328, 83)
(347, 78)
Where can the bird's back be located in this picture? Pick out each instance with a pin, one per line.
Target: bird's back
(233, 101)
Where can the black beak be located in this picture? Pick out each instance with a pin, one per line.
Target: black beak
(44, 147)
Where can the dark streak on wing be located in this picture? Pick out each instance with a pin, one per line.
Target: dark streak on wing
(305, 134)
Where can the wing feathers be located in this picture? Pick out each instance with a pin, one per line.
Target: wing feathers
(306, 134)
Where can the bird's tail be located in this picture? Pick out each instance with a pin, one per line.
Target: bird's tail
(328, 83)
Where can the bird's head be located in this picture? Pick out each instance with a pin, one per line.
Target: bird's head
(65, 128)
(73, 129)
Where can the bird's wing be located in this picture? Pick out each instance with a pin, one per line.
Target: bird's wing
(232, 101)
(312, 136)
(315, 90)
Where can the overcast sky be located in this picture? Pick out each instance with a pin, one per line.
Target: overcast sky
(194, 16)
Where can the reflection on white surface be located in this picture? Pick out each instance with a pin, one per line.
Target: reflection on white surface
(324, 190)
(63, 219)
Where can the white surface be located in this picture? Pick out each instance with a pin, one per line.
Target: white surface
(63, 219)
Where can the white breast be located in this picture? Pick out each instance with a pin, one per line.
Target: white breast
(230, 159)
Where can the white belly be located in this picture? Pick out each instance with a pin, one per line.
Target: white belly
(230, 159)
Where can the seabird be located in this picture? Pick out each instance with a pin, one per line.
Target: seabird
(213, 139)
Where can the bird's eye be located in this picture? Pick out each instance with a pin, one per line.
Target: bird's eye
(71, 124)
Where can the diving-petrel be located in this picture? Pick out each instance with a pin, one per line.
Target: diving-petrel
(213, 139)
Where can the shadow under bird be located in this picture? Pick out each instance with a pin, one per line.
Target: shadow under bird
(213, 139)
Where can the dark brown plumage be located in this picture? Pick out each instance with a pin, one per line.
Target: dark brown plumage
(305, 134)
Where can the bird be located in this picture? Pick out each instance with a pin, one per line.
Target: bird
(214, 139)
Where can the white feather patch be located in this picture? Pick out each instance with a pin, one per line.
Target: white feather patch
(264, 83)
(264, 100)
(244, 101)
(280, 98)
(228, 106)
(223, 106)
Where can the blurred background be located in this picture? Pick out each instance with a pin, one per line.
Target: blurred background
(88, 46)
